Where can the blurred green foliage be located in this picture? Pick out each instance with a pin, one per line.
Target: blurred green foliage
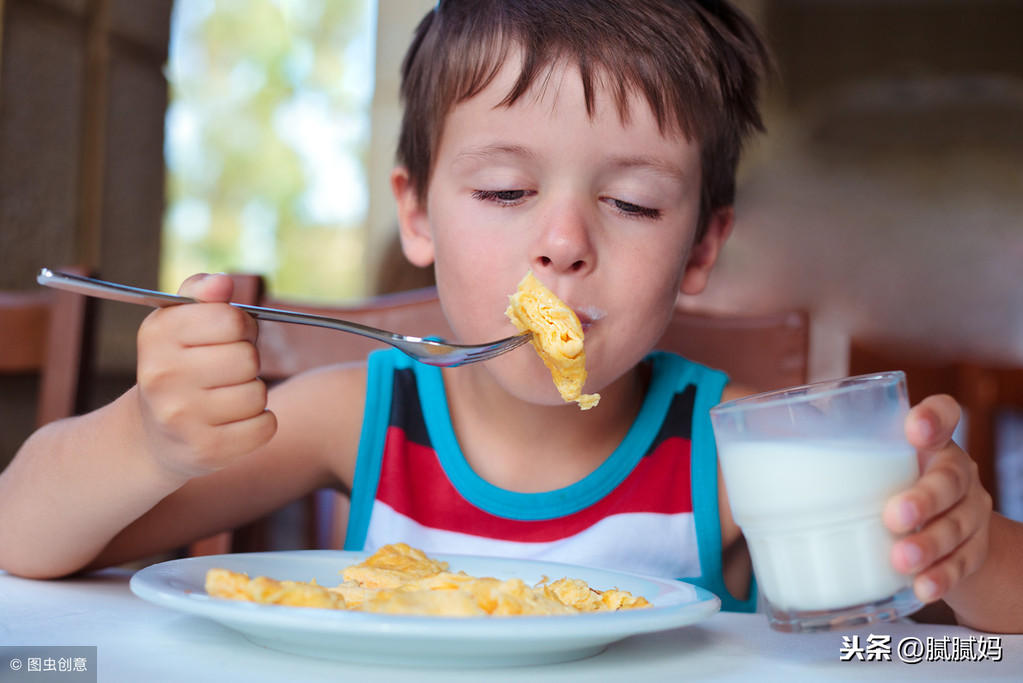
(267, 133)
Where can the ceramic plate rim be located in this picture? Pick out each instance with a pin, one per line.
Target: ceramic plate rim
(175, 584)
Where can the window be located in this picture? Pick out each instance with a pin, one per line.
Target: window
(267, 135)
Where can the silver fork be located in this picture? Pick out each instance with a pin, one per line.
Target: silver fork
(427, 351)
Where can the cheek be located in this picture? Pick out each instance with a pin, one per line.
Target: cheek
(463, 247)
(641, 310)
(646, 319)
(474, 288)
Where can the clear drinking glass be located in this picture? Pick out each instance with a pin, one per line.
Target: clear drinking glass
(808, 471)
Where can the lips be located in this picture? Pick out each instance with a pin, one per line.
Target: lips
(588, 315)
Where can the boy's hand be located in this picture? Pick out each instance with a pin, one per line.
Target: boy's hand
(202, 403)
(947, 507)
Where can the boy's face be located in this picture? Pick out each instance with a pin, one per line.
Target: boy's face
(603, 212)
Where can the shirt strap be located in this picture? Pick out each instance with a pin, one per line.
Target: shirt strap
(705, 496)
(376, 417)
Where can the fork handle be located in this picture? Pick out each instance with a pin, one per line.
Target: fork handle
(136, 295)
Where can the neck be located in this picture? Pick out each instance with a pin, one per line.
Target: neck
(521, 446)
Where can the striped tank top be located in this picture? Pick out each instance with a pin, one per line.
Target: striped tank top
(650, 508)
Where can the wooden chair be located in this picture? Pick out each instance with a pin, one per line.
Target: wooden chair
(983, 390)
(287, 349)
(47, 333)
(763, 352)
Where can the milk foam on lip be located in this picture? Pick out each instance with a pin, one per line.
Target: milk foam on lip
(589, 314)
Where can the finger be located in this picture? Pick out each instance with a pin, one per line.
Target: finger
(209, 324)
(223, 365)
(944, 482)
(210, 288)
(186, 411)
(942, 535)
(191, 325)
(219, 365)
(931, 423)
(224, 405)
(932, 583)
(247, 435)
(216, 447)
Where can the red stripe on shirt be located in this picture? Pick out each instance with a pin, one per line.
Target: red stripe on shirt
(413, 483)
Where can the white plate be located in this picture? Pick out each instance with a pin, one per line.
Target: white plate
(435, 641)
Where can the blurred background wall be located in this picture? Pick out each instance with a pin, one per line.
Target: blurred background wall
(887, 197)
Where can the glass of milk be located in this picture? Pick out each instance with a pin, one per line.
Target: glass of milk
(808, 471)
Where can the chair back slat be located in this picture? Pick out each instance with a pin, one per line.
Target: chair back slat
(286, 349)
(47, 333)
(983, 389)
(24, 317)
(762, 352)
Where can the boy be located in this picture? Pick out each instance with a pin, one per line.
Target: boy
(594, 144)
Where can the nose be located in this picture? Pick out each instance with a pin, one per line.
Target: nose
(564, 244)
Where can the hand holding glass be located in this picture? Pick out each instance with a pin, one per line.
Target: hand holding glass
(808, 471)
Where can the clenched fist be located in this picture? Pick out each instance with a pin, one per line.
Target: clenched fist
(201, 400)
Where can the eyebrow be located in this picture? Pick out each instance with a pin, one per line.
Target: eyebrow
(625, 162)
(652, 163)
(493, 151)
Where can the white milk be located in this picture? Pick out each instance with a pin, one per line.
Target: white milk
(811, 514)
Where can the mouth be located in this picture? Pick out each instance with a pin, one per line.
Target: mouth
(588, 315)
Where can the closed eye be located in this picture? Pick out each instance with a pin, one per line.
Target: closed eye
(631, 210)
(502, 197)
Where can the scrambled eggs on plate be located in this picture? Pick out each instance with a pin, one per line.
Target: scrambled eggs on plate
(399, 579)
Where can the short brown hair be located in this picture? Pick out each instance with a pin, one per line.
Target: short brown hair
(699, 66)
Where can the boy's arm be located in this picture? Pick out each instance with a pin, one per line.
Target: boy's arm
(198, 406)
(990, 599)
(111, 516)
(315, 446)
(957, 547)
(72, 485)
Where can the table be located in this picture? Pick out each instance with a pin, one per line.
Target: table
(138, 641)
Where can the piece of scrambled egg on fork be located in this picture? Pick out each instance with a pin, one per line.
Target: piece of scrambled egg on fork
(557, 337)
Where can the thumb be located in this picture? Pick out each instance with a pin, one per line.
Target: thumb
(208, 288)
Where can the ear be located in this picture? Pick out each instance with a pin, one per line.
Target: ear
(413, 220)
(704, 254)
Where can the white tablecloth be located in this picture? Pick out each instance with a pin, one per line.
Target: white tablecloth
(138, 641)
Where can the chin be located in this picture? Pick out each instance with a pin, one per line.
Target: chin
(525, 377)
